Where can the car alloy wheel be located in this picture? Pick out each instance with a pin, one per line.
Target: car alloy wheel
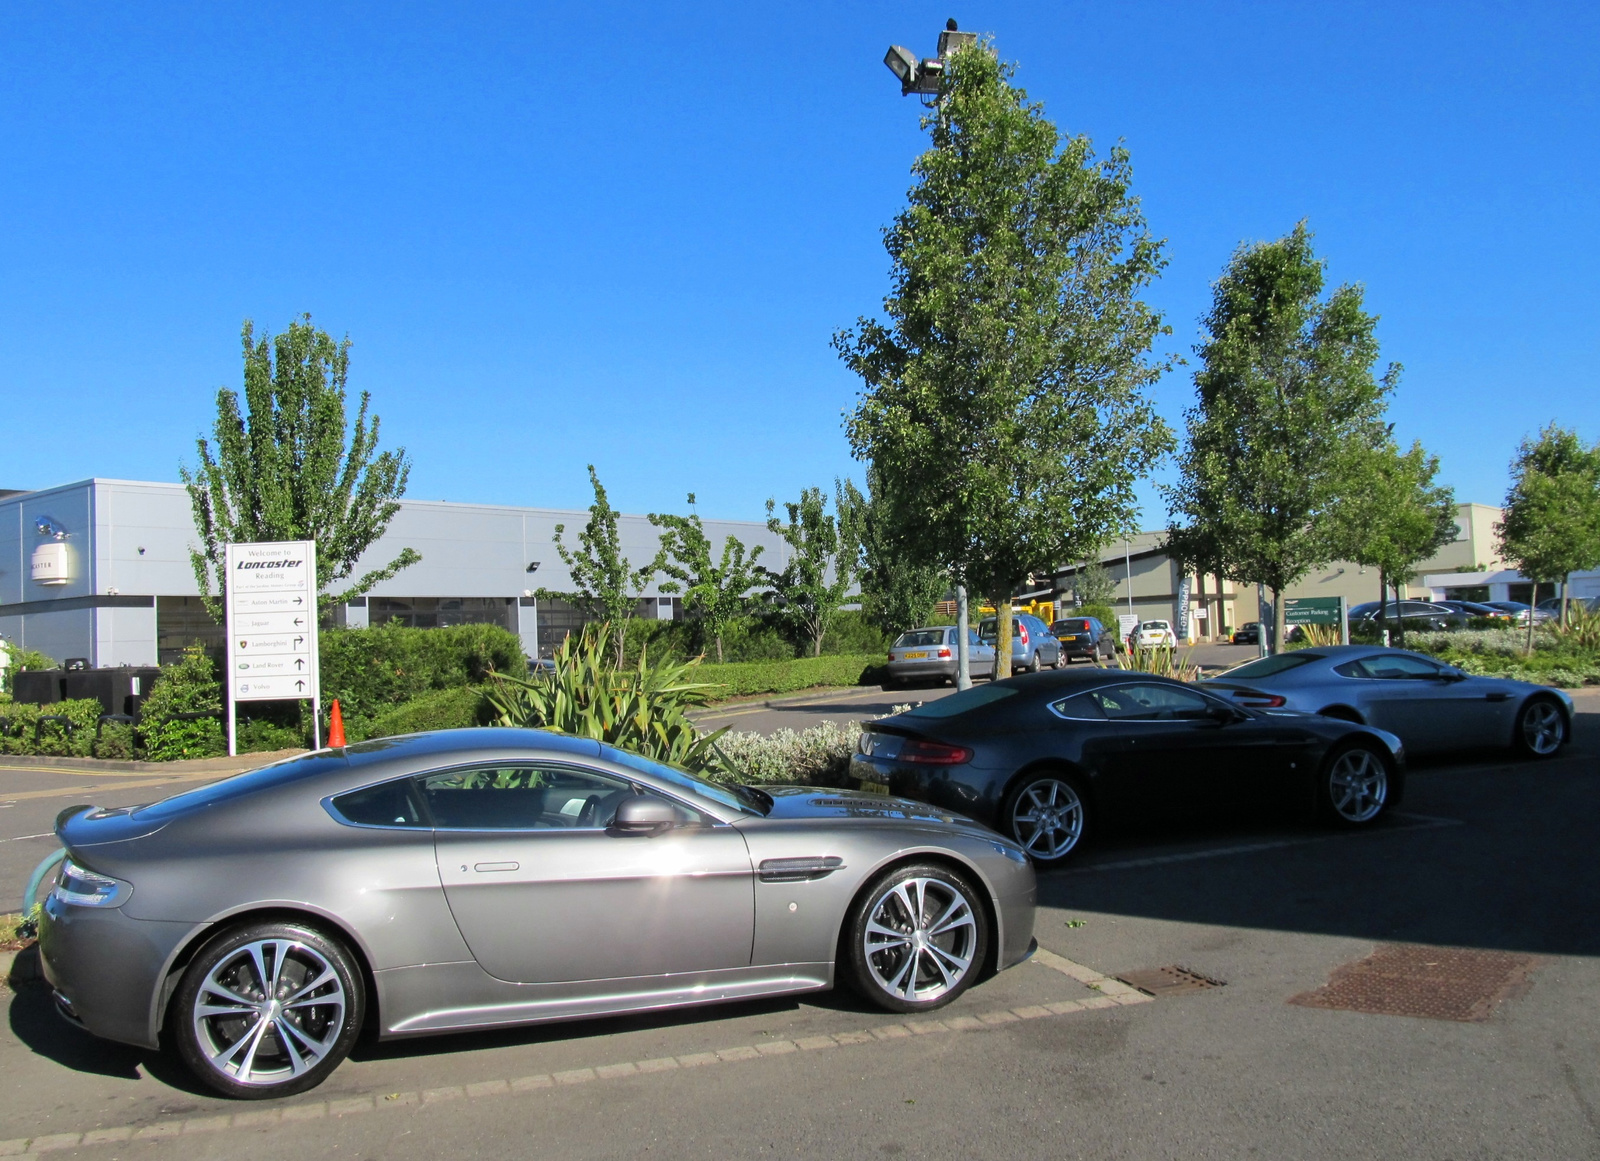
(1046, 816)
(1540, 728)
(268, 1010)
(918, 938)
(1356, 786)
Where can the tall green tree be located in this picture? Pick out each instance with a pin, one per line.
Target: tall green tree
(1093, 584)
(824, 560)
(897, 593)
(1004, 407)
(715, 591)
(1289, 412)
(605, 583)
(1398, 517)
(1551, 525)
(291, 467)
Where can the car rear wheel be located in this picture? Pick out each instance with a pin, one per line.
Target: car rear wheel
(918, 938)
(1048, 815)
(268, 1010)
(1540, 728)
(1035, 663)
(1356, 786)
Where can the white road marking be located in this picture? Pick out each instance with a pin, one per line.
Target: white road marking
(21, 837)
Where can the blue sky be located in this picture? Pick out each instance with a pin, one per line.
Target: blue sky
(564, 233)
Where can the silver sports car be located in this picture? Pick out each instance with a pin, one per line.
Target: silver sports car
(480, 878)
(1431, 706)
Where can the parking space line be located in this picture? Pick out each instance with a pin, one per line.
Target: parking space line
(1423, 822)
(1109, 993)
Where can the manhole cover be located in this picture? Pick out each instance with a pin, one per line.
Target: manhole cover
(1435, 983)
(1168, 981)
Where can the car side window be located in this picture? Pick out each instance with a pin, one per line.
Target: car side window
(386, 804)
(1390, 667)
(1082, 707)
(525, 796)
(1151, 703)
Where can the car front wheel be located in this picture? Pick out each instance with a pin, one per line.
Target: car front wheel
(917, 938)
(1356, 786)
(1541, 726)
(268, 1010)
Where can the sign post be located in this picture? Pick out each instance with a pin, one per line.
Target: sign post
(272, 627)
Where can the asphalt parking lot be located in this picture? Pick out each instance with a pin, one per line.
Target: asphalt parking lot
(1490, 855)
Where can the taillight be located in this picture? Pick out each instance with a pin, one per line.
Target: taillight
(933, 753)
(1257, 700)
(1024, 630)
(944, 653)
(891, 655)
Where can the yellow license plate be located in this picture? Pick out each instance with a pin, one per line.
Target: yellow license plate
(914, 656)
(874, 787)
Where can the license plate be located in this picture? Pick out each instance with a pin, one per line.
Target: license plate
(874, 787)
(913, 656)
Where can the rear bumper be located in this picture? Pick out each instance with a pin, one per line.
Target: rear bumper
(922, 670)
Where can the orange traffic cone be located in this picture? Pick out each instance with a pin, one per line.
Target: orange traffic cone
(335, 726)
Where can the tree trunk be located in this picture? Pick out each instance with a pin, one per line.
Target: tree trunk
(1566, 584)
(1277, 620)
(816, 643)
(719, 648)
(1002, 638)
(963, 652)
(1263, 634)
(1399, 615)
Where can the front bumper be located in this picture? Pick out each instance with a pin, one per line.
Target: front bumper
(108, 968)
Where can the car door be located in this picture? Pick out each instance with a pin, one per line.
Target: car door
(980, 656)
(543, 892)
(1410, 697)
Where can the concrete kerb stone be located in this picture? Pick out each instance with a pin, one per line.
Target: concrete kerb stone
(1109, 993)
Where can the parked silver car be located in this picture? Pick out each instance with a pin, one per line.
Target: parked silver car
(1033, 646)
(1431, 706)
(482, 878)
(930, 655)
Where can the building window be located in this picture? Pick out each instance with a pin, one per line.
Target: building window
(183, 621)
(1478, 593)
(443, 612)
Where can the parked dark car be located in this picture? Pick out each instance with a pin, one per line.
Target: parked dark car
(1474, 609)
(1248, 633)
(1045, 758)
(1415, 616)
(1085, 637)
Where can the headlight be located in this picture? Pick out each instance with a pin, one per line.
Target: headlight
(83, 888)
(1014, 853)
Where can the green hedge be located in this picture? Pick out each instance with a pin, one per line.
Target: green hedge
(742, 679)
(747, 639)
(73, 739)
(443, 709)
(371, 671)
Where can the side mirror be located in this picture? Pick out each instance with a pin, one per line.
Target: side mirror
(1223, 715)
(1450, 673)
(642, 814)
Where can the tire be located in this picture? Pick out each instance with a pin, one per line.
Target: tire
(917, 938)
(1034, 663)
(1541, 728)
(1356, 786)
(302, 1043)
(1048, 814)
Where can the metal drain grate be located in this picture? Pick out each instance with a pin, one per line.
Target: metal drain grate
(1171, 980)
(1433, 983)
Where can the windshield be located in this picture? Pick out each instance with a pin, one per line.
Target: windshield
(1071, 626)
(1268, 666)
(744, 798)
(960, 703)
(921, 637)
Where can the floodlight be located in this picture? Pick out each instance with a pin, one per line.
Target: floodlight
(902, 63)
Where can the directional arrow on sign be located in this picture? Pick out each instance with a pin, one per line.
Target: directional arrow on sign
(299, 640)
(299, 684)
(299, 600)
(299, 662)
(298, 622)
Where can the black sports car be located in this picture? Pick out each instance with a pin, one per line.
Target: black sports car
(1043, 758)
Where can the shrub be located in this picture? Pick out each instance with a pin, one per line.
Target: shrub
(22, 659)
(818, 756)
(116, 740)
(443, 709)
(73, 738)
(746, 678)
(264, 736)
(373, 670)
(1105, 614)
(642, 708)
(187, 687)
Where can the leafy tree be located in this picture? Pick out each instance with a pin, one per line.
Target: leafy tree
(1288, 414)
(1551, 526)
(291, 468)
(896, 593)
(1004, 409)
(1398, 517)
(1093, 584)
(824, 560)
(714, 591)
(605, 583)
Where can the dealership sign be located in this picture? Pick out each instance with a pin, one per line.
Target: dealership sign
(272, 623)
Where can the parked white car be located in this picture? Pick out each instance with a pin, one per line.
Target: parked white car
(1153, 634)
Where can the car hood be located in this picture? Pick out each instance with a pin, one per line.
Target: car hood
(793, 802)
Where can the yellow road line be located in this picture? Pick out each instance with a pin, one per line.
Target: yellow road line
(131, 784)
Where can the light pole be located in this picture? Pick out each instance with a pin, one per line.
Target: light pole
(923, 77)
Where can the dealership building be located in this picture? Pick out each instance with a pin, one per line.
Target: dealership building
(100, 570)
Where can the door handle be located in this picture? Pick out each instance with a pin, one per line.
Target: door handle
(494, 866)
(1497, 697)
